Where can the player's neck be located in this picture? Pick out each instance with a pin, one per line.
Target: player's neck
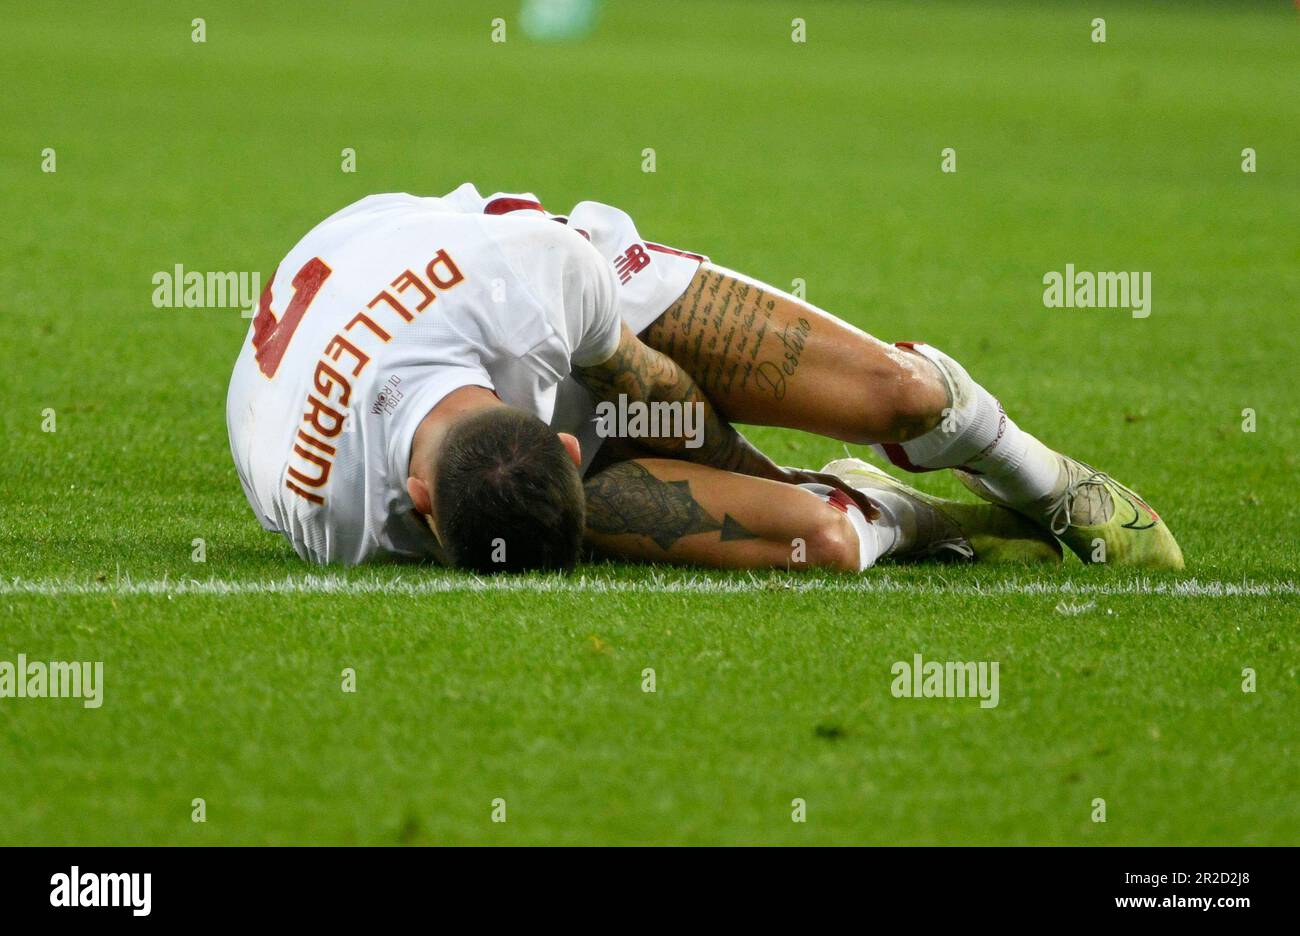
(429, 435)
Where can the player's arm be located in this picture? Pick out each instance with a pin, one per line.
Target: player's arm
(642, 374)
(657, 510)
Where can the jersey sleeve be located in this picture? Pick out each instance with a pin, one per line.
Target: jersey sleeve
(588, 283)
(639, 280)
(591, 305)
(570, 286)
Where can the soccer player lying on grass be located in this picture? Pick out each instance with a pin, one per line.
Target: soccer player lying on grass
(423, 375)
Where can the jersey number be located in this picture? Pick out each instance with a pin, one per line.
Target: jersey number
(271, 338)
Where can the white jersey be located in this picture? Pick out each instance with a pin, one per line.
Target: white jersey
(394, 302)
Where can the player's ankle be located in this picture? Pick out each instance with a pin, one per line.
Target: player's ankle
(1032, 482)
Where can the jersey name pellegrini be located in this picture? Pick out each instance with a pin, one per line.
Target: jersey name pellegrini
(396, 301)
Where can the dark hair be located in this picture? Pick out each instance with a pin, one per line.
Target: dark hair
(505, 484)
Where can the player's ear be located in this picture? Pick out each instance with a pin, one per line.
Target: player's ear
(572, 447)
(419, 492)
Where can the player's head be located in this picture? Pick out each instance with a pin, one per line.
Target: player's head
(507, 495)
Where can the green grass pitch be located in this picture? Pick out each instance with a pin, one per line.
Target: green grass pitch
(817, 161)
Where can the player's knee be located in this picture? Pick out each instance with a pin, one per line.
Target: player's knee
(907, 399)
(832, 543)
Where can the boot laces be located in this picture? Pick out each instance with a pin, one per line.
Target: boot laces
(1060, 511)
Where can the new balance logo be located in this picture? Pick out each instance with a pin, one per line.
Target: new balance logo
(630, 262)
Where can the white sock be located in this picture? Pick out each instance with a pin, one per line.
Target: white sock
(977, 435)
(876, 538)
(899, 514)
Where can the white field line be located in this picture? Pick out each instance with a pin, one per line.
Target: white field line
(435, 583)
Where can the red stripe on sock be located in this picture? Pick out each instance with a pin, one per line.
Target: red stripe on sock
(894, 452)
(839, 500)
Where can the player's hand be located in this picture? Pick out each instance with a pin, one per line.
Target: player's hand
(803, 476)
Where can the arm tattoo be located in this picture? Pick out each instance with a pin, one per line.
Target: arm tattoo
(643, 374)
(627, 498)
(634, 370)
